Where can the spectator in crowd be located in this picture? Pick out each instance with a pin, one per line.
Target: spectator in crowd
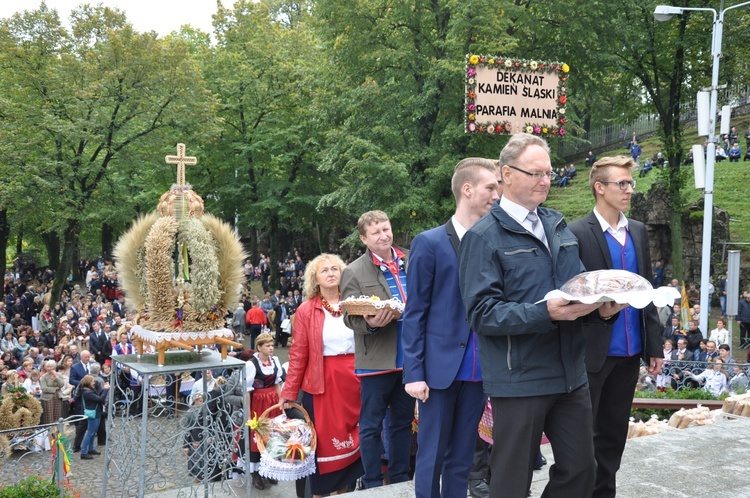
(743, 318)
(590, 159)
(20, 351)
(724, 354)
(63, 370)
(91, 399)
(694, 336)
(720, 335)
(124, 346)
(673, 331)
(635, 152)
(238, 321)
(738, 382)
(380, 271)
(255, 319)
(35, 355)
(80, 369)
(205, 384)
(702, 352)
(658, 275)
(8, 343)
(36, 340)
(735, 153)
(543, 386)
(712, 379)
(711, 350)
(52, 385)
(648, 165)
(321, 365)
(32, 385)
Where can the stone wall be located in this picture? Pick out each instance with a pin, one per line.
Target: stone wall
(654, 211)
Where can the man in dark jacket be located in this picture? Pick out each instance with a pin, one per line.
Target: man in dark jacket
(608, 240)
(531, 350)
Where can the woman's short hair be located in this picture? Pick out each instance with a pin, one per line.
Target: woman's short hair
(311, 288)
(263, 339)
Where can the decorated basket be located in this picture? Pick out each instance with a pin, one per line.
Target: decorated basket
(361, 306)
(287, 452)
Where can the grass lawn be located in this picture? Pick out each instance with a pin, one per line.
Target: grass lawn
(731, 186)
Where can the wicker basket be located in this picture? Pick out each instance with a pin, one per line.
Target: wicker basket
(364, 308)
(287, 471)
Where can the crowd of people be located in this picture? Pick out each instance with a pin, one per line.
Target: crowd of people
(568, 369)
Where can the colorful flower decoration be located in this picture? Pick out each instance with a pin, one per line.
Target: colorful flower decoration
(476, 113)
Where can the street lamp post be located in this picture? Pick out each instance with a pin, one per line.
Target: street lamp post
(664, 13)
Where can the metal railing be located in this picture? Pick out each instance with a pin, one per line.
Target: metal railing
(680, 374)
(607, 135)
(26, 452)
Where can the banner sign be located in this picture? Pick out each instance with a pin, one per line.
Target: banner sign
(506, 96)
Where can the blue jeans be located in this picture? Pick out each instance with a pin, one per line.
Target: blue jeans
(88, 439)
(380, 392)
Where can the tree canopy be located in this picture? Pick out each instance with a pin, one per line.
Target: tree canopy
(304, 114)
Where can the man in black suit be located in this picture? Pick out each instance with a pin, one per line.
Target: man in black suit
(615, 346)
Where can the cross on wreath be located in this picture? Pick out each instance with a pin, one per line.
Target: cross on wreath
(181, 160)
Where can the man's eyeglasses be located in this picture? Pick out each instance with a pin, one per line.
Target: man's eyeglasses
(536, 175)
(623, 184)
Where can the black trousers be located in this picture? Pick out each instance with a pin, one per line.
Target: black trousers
(611, 390)
(518, 424)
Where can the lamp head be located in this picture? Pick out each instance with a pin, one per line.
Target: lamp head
(665, 12)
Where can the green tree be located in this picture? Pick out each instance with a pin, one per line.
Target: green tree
(394, 101)
(263, 169)
(86, 99)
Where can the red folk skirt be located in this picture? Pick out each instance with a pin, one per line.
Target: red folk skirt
(336, 413)
(260, 401)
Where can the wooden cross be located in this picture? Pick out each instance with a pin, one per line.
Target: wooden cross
(181, 160)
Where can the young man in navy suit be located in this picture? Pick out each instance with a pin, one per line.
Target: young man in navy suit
(441, 358)
(614, 348)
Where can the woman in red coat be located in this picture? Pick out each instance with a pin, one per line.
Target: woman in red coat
(321, 365)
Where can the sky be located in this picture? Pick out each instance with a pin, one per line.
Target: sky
(162, 16)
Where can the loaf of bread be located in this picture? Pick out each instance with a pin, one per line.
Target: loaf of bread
(605, 282)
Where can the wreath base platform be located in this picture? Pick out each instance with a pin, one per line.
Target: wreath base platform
(185, 340)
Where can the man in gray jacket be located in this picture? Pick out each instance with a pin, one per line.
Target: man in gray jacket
(531, 351)
(378, 357)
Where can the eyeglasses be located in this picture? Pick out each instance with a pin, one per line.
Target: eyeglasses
(623, 184)
(536, 175)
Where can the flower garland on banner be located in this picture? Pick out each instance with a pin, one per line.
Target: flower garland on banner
(505, 127)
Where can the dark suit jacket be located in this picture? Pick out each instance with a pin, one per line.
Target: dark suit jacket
(77, 372)
(595, 255)
(435, 331)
